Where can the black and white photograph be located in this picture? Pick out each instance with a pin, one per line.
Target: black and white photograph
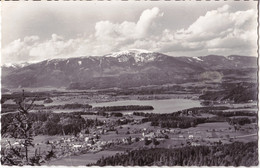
(129, 83)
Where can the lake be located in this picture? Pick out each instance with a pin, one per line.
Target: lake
(160, 106)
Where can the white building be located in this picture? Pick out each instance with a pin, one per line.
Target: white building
(191, 137)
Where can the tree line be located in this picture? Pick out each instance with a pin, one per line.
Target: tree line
(47, 123)
(69, 106)
(235, 154)
(241, 121)
(192, 117)
(123, 108)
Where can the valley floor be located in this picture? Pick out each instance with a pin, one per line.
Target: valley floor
(177, 121)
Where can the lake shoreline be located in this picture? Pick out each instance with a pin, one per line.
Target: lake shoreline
(160, 106)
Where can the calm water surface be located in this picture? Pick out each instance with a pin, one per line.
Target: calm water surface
(160, 106)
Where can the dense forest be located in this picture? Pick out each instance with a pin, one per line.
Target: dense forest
(193, 116)
(238, 93)
(69, 106)
(235, 154)
(123, 108)
(175, 122)
(241, 121)
(47, 123)
(13, 107)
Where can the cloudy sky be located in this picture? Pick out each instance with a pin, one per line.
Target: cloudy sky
(35, 31)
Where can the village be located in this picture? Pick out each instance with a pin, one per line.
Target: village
(136, 135)
(123, 129)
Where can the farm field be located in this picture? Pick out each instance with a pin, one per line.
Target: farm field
(81, 160)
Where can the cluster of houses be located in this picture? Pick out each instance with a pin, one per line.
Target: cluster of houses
(69, 146)
(73, 145)
(159, 134)
(92, 142)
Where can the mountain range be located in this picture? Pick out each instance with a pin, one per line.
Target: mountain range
(122, 69)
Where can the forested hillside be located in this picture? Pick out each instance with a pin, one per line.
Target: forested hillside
(235, 154)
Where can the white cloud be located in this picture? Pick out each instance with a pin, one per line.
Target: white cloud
(56, 46)
(32, 49)
(219, 31)
(214, 24)
(18, 49)
(145, 21)
(128, 30)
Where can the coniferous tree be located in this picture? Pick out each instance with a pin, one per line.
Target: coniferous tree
(21, 130)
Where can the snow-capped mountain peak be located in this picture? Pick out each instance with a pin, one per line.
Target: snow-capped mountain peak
(15, 65)
(130, 51)
(140, 51)
(139, 55)
(197, 58)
